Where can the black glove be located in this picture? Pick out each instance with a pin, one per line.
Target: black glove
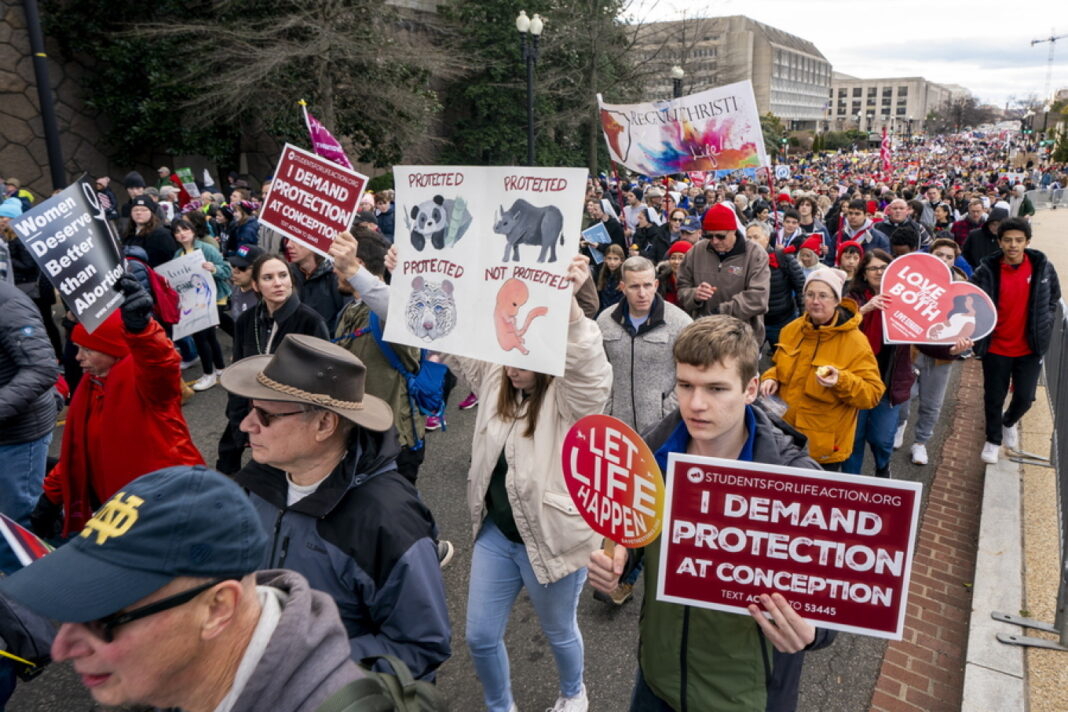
(46, 519)
(137, 305)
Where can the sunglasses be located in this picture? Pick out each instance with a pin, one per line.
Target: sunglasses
(104, 628)
(266, 418)
(718, 235)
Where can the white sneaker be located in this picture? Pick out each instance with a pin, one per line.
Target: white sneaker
(578, 703)
(1010, 437)
(919, 454)
(990, 453)
(206, 381)
(186, 365)
(899, 435)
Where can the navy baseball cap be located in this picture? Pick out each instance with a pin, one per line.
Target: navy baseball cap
(245, 256)
(178, 521)
(691, 224)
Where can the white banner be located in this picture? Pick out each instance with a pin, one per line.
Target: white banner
(714, 130)
(482, 257)
(196, 286)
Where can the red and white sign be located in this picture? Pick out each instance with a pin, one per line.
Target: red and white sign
(928, 307)
(614, 480)
(311, 199)
(837, 547)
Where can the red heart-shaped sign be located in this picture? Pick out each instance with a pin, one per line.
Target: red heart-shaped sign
(928, 307)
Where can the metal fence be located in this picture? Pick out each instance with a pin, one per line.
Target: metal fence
(1046, 199)
(1054, 364)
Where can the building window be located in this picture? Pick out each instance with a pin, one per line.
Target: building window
(900, 111)
(903, 91)
(857, 91)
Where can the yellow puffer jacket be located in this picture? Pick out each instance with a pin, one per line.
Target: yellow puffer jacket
(827, 416)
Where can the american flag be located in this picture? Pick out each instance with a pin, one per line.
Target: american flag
(884, 152)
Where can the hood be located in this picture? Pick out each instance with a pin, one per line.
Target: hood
(308, 656)
(136, 251)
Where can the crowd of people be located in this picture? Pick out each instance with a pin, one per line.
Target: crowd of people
(741, 319)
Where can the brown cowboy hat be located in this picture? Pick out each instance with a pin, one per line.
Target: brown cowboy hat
(305, 369)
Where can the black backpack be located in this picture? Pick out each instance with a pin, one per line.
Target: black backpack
(385, 692)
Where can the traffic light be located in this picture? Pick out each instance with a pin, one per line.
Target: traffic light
(784, 140)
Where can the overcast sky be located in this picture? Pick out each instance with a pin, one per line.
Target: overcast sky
(984, 45)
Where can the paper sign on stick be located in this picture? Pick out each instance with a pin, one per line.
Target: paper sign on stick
(928, 307)
(196, 287)
(311, 199)
(188, 182)
(70, 239)
(838, 547)
(614, 480)
(482, 259)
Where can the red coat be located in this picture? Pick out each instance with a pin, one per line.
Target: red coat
(121, 427)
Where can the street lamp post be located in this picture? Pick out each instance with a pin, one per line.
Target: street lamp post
(677, 73)
(533, 27)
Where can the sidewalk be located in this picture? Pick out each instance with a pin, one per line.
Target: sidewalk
(1018, 563)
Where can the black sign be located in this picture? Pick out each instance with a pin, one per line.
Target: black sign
(71, 241)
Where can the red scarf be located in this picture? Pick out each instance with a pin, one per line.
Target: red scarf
(872, 325)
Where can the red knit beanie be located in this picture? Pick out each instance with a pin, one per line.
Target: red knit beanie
(812, 242)
(719, 218)
(682, 246)
(107, 338)
(842, 248)
(784, 198)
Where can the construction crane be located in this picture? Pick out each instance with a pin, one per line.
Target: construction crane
(1052, 39)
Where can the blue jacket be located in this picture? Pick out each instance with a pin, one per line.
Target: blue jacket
(248, 233)
(365, 538)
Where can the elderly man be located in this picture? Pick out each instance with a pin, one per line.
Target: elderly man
(161, 605)
(725, 273)
(973, 220)
(324, 480)
(897, 215)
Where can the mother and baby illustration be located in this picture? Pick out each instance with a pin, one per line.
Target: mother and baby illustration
(969, 318)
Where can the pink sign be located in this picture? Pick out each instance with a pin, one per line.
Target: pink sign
(311, 199)
(838, 547)
(928, 307)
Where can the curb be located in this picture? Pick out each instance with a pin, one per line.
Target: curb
(994, 672)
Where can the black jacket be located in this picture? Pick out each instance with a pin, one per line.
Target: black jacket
(981, 243)
(1041, 303)
(785, 289)
(319, 291)
(28, 370)
(159, 244)
(653, 242)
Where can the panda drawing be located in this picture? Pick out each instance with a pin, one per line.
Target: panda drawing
(438, 220)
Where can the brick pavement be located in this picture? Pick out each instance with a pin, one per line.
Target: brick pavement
(924, 672)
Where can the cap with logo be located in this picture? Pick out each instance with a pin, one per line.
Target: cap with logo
(245, 256)
(691, 224)
(178, 521)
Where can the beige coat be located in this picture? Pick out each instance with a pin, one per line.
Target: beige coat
(557, 539)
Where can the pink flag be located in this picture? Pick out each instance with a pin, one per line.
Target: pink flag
(884, 153)
(323, 142)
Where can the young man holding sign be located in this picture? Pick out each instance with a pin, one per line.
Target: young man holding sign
(694, 658)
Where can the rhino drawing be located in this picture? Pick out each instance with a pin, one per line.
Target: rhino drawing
(525, 224)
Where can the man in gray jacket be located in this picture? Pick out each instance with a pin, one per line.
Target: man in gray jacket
(28, 406)
(161, 604)
(639, 334)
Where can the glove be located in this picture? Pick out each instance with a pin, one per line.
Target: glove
(137, 305)
(46, 519)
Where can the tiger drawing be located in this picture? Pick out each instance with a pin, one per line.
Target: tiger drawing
(431, 311)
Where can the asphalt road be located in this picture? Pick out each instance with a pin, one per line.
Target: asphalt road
(837, 679)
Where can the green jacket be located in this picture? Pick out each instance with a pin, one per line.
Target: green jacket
(701, 660)
(353, 333)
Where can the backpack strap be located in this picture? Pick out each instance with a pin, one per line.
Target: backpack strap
(387, 350)
(362, 695)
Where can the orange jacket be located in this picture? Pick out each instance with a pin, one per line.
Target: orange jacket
(827, 416)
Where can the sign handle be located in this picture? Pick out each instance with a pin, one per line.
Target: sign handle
(609, 548)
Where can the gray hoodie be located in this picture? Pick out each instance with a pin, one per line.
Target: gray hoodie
(307, 658)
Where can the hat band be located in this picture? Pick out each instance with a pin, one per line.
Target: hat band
(317, 398)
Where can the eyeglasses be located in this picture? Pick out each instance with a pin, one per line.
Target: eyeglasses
(873, 268)
(103, 628)
(267, 418)
(718, 235)
(816, 297)
(676, 219)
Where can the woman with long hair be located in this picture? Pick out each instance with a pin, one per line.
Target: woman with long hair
(610, 277)
(207, 343)
(528, 533)
(147, 232)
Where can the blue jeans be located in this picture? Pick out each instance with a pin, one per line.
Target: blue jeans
(499, 570)
(875, 427)
(643, 699)
(22, 471)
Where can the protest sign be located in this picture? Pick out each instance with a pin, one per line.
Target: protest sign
(782, 172)
(482, 262)
(189, 182)
(597, 234)
(838, 547)
(311, 199)
(20, 544)
(717, 129)
(70, 239)
(614, 480)
(196, 288)
(928, 307)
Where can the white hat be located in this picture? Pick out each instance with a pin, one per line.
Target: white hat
(831, 276)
